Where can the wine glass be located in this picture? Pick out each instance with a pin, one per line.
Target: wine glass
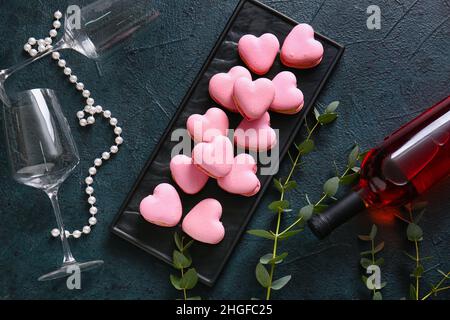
(96, 28)
(42, 154)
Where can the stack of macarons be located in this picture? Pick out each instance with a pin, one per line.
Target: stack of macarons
(213, 154)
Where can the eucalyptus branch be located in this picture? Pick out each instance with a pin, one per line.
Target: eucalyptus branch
(266, 277)
(182, 261)
(415, 234)
(372, 261)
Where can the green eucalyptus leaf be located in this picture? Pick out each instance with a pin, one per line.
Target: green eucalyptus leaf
(194, 298)
(366, 253)
(278, 185)
(289, 234)
(266, 258)
(414, 232)
(320, 208)
(188, 245)
(175, 282)
(378, 248)
(180, 261)
(316, 113)
(332, 107)
(353, 156)
(364, 237)
(409, 256)
(262, 275)
(383, 284)
(306, 212)
(331, 186)
(278, 259)
(418, 271)
(349, 178)
(280, 283)
(279, 205)
(327, 118)
(377, 296)
(178, 241)
(365, 263)
(412, 292)
(379, 262)
(373, 232)
(261, 233)
(306, 146)
(189, 279)
(290, 185)
(362, 155)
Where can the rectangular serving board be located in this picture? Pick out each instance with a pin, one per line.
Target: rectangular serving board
(249, 17)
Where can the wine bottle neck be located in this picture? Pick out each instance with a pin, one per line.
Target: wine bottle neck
(323, 224)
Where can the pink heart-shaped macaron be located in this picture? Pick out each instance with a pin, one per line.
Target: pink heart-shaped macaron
(300, 49)
(288, 98)
(259, 53)
(163, 208)
(186, 175)
(242, 178)
(256, 135)
(221, 86)
(203, 224)
(203, 128)
(253, 98)
(214, 158)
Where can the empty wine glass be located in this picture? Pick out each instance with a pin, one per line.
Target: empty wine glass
(42, 154)
(95, 28)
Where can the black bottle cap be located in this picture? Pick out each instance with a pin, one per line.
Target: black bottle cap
(324, 223)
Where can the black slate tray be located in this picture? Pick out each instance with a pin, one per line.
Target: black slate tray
(249, 17)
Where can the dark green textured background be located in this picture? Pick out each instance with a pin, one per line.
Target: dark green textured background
(385, 77)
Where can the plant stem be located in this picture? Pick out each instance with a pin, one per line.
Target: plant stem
(416, 245)
(373, 258)
(184, 290)
(277, 233)
(436, 288)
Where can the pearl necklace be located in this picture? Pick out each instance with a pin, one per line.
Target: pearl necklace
(89, 110)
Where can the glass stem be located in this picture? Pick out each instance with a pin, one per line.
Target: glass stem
(4, 74)
(53, 195)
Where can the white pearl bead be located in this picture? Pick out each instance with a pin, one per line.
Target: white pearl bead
(48, 40)
(92, 221)
(27, 47)
(87, 108)
(67, 233)
(90, 101)
(91, 200)
(32, 41)
(80, 114)
(113, 121)
(89, 190)
(55, 55)
(98, 162)
(92, 171)
(77, 234)
(67, 71)
(55, 232)
(89, 180)
(114, 149)
(41, 42)
(106, 155)
(33, 52)
(83, 122)
(73, 79)
(107, 113)
(56, 24)
(80, 86)
(98, 109)
(57, 14)
(86, 93)
(93, 210)
(117, 130)
(62, 63)
(119, 140)
(86, 229)
(53, 33)
(42, 48)
(91, 119)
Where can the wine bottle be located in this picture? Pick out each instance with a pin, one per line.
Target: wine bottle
(404, 166)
